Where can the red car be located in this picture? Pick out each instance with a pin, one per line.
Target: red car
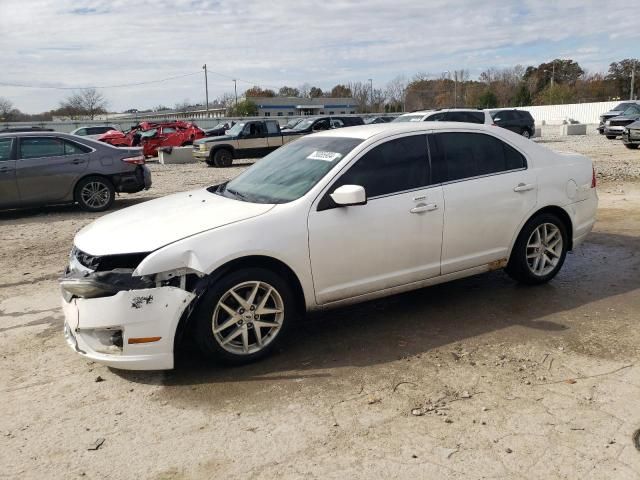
(151, 136)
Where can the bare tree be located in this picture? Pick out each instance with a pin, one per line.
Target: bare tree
(183, 106)
(6, 107)
(304, 90)
(88, 102)
(361, 93)
(395, 93)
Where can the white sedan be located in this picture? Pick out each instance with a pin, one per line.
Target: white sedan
(333, 218)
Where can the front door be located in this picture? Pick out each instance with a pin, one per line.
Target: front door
(488, 192)
(48, 168)
(9, 196)
(395, 239)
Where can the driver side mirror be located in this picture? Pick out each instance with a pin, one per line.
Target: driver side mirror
(349, 195)
(497, 119)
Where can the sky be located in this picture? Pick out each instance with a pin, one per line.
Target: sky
(71, 44)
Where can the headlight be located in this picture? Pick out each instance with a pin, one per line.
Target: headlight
(101, 284)
(203, 147)
(608, 122)
(626, 130)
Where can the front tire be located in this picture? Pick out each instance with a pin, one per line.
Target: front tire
(525, 133)
(539, 251)
(222, 158)
(244, 316)
(95, 194)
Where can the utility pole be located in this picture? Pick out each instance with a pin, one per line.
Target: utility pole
(371, 90)
(633, 78)
(235, 88)
(455, 89)
(553, 72)
(206, 87)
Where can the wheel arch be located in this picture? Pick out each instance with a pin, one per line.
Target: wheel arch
(224, 146)
(250, 261)
(560, 212)
(87, 175)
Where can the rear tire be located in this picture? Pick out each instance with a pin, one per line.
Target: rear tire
(222, 158)
(539, 251)
(525, 133)
(244, 316)
(95, 193)
(631, 146)
(611, 137)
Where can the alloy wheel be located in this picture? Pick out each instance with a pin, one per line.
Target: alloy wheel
(95, 194)
(544, 249)
(248, 317)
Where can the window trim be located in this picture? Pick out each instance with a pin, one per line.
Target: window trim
(12, 149)
(18, 147)
(338, 173)
(449, 182)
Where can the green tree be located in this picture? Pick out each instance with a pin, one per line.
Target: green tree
(315, 92)
(341, 91)
(488, 99)
(522, 96)
(620, 75)
(245, 108)
(288, 92)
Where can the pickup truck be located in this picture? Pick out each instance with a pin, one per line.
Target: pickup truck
(250, 139)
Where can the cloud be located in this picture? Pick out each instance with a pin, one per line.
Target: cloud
(84, 42)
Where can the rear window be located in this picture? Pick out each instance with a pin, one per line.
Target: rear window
(409, 118)
(36, 147)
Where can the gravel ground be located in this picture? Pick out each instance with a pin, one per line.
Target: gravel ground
(478, 378)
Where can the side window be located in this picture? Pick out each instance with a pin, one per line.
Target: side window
(475, 117)
(455, 156)
(81, 132)
(394, 166)
(321, 125)
(272, 127)
(453, 117)
(335, 123)
(5, 148)
(166, 130)
(436, 117)
(35, 147)
(71, 148)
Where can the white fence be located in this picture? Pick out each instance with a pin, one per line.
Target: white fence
(578, 112)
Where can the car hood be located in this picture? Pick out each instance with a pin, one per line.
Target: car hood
(219, 138)
(156, 223)
(626, 117)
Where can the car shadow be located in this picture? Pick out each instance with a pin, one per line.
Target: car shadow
(417, 322)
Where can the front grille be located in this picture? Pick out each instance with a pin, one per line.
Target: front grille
(108, 262)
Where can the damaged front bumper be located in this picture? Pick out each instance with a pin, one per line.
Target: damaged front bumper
(131, 330)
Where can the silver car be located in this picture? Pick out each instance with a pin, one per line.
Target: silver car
(43, 168)
(94, 132)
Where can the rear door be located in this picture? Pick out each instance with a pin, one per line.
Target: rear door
(48, 168)
(488, 191)
(9, 196)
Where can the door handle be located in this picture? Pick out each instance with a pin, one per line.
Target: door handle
(77, 161)
(421, 207)
(4, 170)
(524, 187)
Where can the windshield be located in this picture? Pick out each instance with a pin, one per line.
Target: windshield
(289, 172)
(235, 130)
(623, 106)
(632, 110)
(408, 118)
(304, 124)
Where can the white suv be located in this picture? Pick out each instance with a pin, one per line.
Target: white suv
(468, 115)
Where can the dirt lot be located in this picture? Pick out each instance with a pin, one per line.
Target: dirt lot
(479, 378)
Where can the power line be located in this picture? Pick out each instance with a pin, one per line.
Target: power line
(49, 87)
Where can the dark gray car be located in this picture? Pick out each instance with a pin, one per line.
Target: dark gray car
(43, 168)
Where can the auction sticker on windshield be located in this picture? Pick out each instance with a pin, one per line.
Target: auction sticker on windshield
(324, 156)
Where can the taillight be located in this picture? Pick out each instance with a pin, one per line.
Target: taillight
(137, 160)
(593, 177)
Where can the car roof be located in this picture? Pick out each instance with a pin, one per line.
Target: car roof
(39, 133)
(371, 130)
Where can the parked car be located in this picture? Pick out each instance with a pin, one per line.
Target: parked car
(618, 110)
(320, 124)
(518, 121)
(631, 135)
(250, 139)
(614, 126)
(94, 131)
(467, 115)
(42, 168)
(374, 120)
(25, 129)
(151, 136)
(219, 129)
(339, 217)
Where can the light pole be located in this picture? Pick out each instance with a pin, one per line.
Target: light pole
(455, 88)
(235, 88)
(206, 87)
(371, 90)
(633, 78)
